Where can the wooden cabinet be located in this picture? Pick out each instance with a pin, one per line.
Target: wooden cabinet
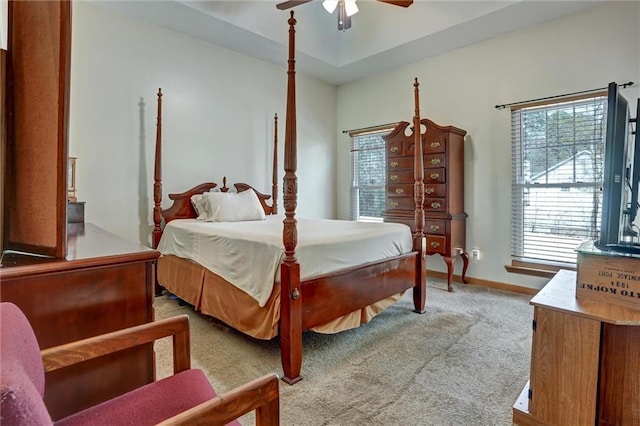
(585, 368)
(443, 156)
(105, 284)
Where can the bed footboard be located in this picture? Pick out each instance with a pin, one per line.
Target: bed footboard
(331, 296)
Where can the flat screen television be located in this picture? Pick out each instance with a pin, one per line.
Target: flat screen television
(621, 177)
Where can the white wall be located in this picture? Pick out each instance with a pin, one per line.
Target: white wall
(579, 52)
(218, 107)
(3, 23)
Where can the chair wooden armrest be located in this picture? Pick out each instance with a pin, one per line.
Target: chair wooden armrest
(261, 395)
(83, 350)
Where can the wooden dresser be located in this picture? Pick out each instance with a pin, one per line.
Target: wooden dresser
(443, 154)
(104, 284)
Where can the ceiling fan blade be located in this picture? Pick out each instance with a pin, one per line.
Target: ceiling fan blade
(402, 3)
(291, 3)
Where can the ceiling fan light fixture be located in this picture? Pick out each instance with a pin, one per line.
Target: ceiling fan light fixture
(330, 5)
(350, 7)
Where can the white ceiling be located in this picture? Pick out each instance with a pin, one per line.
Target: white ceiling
(382, 36)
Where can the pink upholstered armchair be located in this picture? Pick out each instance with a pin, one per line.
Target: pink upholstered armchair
(186, 397)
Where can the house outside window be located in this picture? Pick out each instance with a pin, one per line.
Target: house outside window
(368, 175)
(557, 169)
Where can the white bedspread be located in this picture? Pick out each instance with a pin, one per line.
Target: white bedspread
(248, 254)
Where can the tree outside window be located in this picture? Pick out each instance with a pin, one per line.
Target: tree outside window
(368, 176)
(557, 153)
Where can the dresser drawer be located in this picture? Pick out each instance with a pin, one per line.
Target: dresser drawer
(400, 190)
(434, 204)
(401, 203)
(430, 146)
(437, 227)
(434, 175)
(434, 160)
(400, 163)
(409, 148)
(406, 162)
(433, 143)
(408, 203)
(435, 190)
(400, 176)
(394, 149)
(433, 178)
(436, 244)
(405, 190)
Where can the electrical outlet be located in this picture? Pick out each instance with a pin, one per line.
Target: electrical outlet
(475, 254)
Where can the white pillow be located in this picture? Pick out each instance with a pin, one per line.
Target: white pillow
(197, 201)
(232, 207)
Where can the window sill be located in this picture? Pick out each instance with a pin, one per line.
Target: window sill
(537, 269)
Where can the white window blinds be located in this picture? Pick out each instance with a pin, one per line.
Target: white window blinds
(557, 156)
(368, 175)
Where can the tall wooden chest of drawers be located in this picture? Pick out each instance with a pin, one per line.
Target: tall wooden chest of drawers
(443, 157)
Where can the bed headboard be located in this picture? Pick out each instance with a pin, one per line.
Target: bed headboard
(181, 208)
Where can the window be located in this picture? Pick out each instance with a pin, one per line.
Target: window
(368, 175)
(557, 156)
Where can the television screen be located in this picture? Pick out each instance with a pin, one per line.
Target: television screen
(620, 179)
(635, 172)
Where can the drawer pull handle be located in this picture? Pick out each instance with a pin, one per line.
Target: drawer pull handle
(435, 244)
(435, 161)
(435, 144)
(434, 176)
(429, 190)
(394, 164)
(399, 191)
(394, 204)
(394, 149)
(393, 177)
(435, 205)
(435, 228)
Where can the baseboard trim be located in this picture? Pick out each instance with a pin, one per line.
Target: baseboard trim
(486, 283)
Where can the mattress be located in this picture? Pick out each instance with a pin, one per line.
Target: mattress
(248, 254)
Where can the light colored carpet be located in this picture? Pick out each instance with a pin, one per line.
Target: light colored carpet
(463, 362)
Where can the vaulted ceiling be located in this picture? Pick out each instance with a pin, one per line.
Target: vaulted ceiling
(382, 36)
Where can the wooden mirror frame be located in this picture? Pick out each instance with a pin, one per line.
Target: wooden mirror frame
(37, 115)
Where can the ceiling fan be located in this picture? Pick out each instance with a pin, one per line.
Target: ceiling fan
(346, 8)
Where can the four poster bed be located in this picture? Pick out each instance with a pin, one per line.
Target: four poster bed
(258, 277)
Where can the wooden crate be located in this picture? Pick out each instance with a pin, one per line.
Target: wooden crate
(609, 278)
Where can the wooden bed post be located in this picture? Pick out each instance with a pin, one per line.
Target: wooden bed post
(157, 177)
(274, 180)
(290, 294)
(420, 288)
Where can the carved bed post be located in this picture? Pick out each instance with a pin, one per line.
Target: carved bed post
(290, 294)
(420, 289)
(157, 178)
(274, 180)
